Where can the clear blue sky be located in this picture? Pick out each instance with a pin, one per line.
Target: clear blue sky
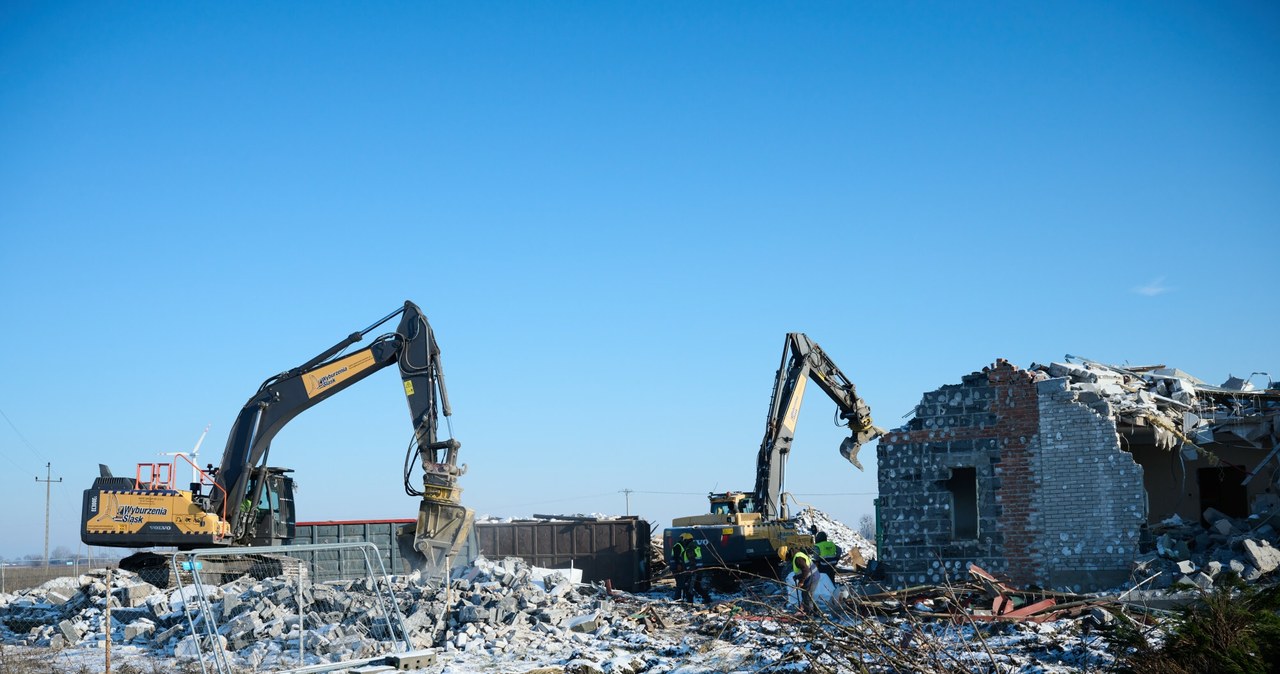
(612, 213)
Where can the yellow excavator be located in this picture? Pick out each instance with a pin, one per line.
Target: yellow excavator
(246, 502)
(746, 530)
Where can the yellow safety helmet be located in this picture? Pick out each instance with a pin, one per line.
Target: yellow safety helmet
(782, 553)
(686, 536)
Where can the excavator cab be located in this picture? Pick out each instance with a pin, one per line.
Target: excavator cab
(732, 503)
(273, 519)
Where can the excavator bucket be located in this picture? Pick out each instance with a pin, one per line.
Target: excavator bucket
(442, 539)
(859, 437)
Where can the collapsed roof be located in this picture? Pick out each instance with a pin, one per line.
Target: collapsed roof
(1181, 410)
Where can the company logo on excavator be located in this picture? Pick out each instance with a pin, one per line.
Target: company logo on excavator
(329, 379)
(332, 374)
(135, 514)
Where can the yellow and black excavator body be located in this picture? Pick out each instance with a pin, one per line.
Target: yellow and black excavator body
(746, 530)
(246, 502)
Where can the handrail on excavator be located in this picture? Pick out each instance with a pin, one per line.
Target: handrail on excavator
(161, 476)
(205, 476)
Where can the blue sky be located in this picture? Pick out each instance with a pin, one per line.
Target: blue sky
(611, 213)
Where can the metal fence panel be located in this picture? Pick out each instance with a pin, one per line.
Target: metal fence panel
(272, 605)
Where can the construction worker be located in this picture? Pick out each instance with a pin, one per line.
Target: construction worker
(686, 559)
(805, 577)
(828, 554)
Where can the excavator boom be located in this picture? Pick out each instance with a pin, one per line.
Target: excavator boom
(803, 360)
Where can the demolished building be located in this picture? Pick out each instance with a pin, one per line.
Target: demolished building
(1055, 475)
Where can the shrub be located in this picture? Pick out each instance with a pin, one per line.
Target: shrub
(1233, 629)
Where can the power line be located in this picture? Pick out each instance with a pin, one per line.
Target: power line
(15, 463)
(558, 500)
(838, 493)
(35, 451)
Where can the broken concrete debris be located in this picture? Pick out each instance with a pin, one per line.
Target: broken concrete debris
(490, 608)
(494, 616)
(1191, 554)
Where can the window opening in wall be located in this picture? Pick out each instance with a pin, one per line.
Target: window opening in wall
(963, 486)
(1221, 490)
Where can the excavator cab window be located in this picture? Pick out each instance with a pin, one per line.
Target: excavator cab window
(274, 519)
(270, 496)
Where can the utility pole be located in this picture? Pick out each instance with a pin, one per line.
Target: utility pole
(48, 481)
(628, 493)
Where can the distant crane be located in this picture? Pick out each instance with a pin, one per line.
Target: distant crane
(192, 455)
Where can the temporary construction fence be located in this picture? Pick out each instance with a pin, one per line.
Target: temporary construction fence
(266, 598)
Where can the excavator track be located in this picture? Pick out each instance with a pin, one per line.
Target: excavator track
(158, 569)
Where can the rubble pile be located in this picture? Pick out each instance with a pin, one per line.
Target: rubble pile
(1181, 410)
(491, 609)
(1193, 555)
(811, 519)
(504, 616)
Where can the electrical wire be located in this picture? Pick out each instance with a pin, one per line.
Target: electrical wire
(837, 493)
(21, 469)
(559, 500)
(38, 453)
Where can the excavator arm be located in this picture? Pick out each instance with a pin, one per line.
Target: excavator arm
(803, 360)
(412, 347)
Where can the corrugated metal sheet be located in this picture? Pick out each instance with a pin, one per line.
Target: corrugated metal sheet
(615, 550)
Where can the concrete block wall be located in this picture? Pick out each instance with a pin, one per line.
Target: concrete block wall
(953, 427)
(1051, 477)
(1094, 503)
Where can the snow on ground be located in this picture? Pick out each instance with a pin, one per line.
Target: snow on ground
(497, 619)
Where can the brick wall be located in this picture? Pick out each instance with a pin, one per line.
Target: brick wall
(1044, 464)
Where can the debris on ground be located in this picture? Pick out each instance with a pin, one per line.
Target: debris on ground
(507, 617)
(1193, 555)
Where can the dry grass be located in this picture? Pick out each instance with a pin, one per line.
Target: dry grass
(19, 660)
(18, 578)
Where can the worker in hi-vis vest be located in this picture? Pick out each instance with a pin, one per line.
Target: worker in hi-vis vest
(828, 554)
(686, 560)
(805, 576)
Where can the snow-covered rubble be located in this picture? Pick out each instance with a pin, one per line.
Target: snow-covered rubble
(491, 608)
(812, 519)
(495, 616)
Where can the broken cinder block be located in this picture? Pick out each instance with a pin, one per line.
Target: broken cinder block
(1263, 557)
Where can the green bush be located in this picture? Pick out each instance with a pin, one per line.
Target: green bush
(1233, 629)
